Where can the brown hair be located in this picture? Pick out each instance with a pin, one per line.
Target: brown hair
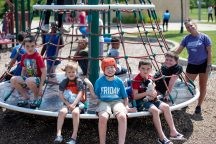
(72, 65)
(189, 20)
(172, 54)
(146, 62)
(29, 39)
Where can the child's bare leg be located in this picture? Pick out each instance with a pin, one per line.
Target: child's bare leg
(16, 82)
(75, 114)
(169, 119)
(122, 127)
(156, 120)
(61, 116)
(31, 84)
(102, 126)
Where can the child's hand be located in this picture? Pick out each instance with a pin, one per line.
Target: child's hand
(152, 94)
(131, 110)
(71, 107)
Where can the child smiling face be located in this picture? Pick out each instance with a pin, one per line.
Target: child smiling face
(110, 71)
(71, 73)
(169, 61)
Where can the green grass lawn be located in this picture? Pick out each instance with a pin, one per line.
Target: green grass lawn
(177, 37)
(193, 14)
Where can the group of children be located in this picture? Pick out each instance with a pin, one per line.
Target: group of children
(109, 89)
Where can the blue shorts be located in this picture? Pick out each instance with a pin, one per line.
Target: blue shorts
(149, 104)
(37, 81)
(142, 105)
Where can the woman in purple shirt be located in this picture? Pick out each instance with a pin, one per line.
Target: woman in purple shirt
(198, 46)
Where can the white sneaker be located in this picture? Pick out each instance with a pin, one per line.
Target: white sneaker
(45, 27)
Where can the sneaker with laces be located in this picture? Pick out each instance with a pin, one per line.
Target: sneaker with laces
(45, 27)
(71, 141)
(164, 141)
(58, 140)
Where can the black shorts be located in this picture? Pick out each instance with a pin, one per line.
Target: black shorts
(196, 69)
(165, 21)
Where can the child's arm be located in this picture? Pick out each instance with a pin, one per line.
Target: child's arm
(179, 49)
(77, 100)
(130, 110)
(138, 96)
(42, 80)
(91, 88)
(61, 94)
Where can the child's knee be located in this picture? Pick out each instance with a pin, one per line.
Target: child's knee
(76, 112)
(15, 80)
(63, 112)
(103, 118)
(154, 110)
(165, 107)
(121, 116)
(30, 82)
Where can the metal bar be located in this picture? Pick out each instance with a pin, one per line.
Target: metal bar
(29, 14)
(94, 7)
(23, 15)
(16, 17)
(94, 42)
(109, 17)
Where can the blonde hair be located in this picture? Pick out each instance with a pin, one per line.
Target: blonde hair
(72, 65)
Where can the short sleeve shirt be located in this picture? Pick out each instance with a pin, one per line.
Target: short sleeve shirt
(197, 48)
(75, 86)
(110, 90)
(32, 64)
(141, 85)
(174, 70)
(21, 50)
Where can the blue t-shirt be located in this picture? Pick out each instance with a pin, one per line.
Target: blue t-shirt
(110, 90)
(17, 71)
(51, 50)
(196, 47)
(166, 16)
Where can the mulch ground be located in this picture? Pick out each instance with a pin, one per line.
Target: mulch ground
(20, 128)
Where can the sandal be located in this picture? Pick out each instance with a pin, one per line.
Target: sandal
(22, 103)
(179, 137)
(36, 103)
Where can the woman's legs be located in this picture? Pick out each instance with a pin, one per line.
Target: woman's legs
(203, 78)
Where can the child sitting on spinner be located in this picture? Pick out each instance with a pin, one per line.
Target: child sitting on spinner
(71, 93)
(139, 86)
(33, 75)
(171, 68)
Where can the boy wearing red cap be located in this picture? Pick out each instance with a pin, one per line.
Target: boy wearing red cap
(110, 91)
